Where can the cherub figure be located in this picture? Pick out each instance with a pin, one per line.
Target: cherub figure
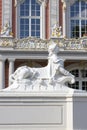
(6, 31)
(51, 76)
(56, 66)
(57, 31)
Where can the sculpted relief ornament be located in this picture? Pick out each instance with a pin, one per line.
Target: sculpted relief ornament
(57, 31)
(49, 78)
(6, 31)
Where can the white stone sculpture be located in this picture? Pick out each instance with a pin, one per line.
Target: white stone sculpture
(51, 77)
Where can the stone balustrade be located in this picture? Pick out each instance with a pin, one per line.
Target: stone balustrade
(38, 44)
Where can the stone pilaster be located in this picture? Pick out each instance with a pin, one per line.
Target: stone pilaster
(11, 66)
(7, 12)
(54, 13)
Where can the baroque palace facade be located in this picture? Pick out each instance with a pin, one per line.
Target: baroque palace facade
(28, 27)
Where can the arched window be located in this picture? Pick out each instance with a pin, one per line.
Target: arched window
(78, 19)
(29, 19)
(80, 74)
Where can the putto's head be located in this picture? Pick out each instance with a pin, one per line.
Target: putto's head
(53, 48)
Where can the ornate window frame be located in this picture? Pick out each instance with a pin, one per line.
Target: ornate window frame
(66, 16)
(42, 17)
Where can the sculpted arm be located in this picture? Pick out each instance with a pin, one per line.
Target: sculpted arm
(61, 68)
(63, 71)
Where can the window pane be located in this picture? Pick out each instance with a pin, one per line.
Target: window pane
(75, 28)
(78, 14)
(33, 1)
(37, 33)
(74, 9)
(37, 21)
(32, 13)
(84, 73)
(84, 85)
(32, 21)
(32, 33)
(24, 8)
(29, 26)
(75, 85)
(35, 27)
(38, 27)
(83, 27)
(32, 27)
(37, 7)
(83, 3)
(24, 28)
(83, 9)
(38, 13)
(26, 33)
(75, 72)
(80, 79)
(33, 7)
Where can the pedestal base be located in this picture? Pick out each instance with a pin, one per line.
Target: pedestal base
(43, 110)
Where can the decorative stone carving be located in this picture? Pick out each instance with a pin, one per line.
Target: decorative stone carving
(64, 4)
(31, 43)
(6, 31)
(49, 78)
(57, 31)
(37, 44)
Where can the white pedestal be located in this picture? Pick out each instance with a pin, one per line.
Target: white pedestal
(56, 110)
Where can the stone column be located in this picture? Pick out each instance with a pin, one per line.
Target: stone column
(2, 73)
(11, 66)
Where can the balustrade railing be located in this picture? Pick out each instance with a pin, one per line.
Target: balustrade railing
(39, 44)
